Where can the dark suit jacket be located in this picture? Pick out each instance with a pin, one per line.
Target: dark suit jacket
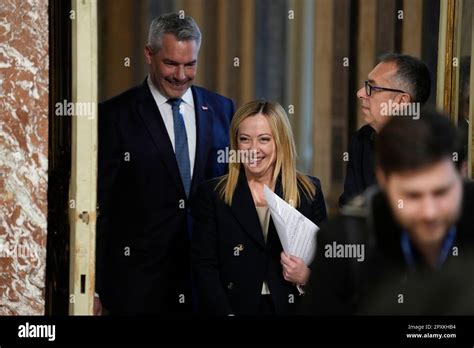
(342, 286)
(142, 227)
(227, 283)
(360, 171)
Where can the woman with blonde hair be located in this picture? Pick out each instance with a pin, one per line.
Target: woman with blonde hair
(239, 266)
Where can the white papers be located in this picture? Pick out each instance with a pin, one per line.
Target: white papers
(297, 233)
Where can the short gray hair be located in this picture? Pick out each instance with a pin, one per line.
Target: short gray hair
(183, 28)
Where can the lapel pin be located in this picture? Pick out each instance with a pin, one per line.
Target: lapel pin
(205, 108)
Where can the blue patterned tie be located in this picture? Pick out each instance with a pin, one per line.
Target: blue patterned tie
(181, 144)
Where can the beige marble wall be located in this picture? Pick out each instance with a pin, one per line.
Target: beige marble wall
(24, 67)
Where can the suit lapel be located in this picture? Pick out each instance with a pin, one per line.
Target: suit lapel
(272, 235)
(204, 116)
(148, 110)
(243, 208)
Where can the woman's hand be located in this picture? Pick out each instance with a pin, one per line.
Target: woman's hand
(98, 310)
(294, 269)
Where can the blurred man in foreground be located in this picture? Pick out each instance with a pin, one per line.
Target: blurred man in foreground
(406, 248)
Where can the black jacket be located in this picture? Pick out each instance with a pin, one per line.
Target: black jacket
(142, 227)
(227, 283)
(383, 283)
(360, 170)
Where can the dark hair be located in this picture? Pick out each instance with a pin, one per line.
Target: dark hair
(407, 144)
(413, 73)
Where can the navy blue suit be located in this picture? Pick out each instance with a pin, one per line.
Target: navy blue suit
(143, 264)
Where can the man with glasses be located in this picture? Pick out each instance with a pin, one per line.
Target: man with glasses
(397, 79)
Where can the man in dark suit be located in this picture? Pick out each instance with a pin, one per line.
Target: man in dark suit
(397, 80)
(407, 248)
(157, 142)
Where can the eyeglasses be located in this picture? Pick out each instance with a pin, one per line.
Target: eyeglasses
(369, 88)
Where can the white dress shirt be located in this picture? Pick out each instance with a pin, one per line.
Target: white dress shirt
(189, 116)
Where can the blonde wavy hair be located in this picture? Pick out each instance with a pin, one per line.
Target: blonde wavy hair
(285, 150)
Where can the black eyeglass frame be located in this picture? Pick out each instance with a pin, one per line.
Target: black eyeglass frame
(369, 88)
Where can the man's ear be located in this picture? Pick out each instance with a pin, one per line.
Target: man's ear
(148, 54)
(381, 177)
(463, 170)
(402, 98)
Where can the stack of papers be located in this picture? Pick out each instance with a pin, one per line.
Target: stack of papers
(297, 233)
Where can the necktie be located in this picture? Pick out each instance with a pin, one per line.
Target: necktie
(181, 144)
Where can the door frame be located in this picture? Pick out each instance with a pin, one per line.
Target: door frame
(83, 184)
